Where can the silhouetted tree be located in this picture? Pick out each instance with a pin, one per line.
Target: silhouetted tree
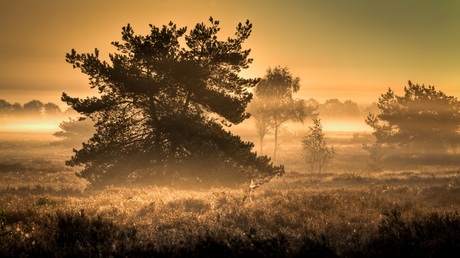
(75, 131)
(51, 109)
(6, 109)
(274, 104)
(350, 108)
(17, 108)
(314, 105)
(33, 107)
(372, 108)
(422, 122)
(316, 152)
(163, 107)
(261, 120)
(376, 156)
(336, 108)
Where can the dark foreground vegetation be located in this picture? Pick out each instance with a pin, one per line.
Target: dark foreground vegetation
(334, 223)
(46, 211)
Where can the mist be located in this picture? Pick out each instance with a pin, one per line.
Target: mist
(347, 203)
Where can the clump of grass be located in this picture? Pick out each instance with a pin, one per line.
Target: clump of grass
(65, 234)
(45, 201)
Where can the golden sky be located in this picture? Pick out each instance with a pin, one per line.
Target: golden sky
(352, 49)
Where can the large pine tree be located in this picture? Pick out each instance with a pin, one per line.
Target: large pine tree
(162, 107)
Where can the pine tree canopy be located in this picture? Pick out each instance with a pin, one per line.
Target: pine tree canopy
(162, 106)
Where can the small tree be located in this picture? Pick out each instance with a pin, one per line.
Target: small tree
(274, 104)
(316, 152)
(376, 157)
(261, 120)
(423, 122)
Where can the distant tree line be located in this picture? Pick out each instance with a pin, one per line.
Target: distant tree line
(31, 108)
(330, 108)
(346, 109)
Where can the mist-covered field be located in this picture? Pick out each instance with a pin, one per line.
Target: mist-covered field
(346, 211)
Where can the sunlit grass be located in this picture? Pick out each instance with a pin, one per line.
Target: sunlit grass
(171, 218)
(45, 208)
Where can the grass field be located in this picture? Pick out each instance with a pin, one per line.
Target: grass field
(47, 211)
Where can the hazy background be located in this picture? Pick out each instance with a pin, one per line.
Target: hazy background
(340, 49)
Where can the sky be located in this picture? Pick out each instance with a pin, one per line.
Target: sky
(353, 49)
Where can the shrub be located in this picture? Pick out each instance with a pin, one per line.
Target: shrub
(432, 235)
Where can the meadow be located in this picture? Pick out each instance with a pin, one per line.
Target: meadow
(346, 211)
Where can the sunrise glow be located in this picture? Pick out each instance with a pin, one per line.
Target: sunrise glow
(348, 50)
(345, 126)
(31, 125)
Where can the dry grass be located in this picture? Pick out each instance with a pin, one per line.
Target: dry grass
(46, 211)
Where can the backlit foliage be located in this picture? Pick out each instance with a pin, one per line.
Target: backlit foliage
(274, 103)
(163, 107)
(423, 122)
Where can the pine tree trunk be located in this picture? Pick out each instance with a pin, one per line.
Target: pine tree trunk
(157, 134)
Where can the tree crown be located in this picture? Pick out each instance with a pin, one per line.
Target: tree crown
(165, 103)
(423, 118)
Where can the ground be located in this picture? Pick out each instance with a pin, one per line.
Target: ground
(46, 210)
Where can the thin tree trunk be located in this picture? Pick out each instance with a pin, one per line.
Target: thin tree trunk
(276, 143)
(261, 139)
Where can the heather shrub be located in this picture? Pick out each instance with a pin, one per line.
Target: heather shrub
(430, 235)
(65, 234)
